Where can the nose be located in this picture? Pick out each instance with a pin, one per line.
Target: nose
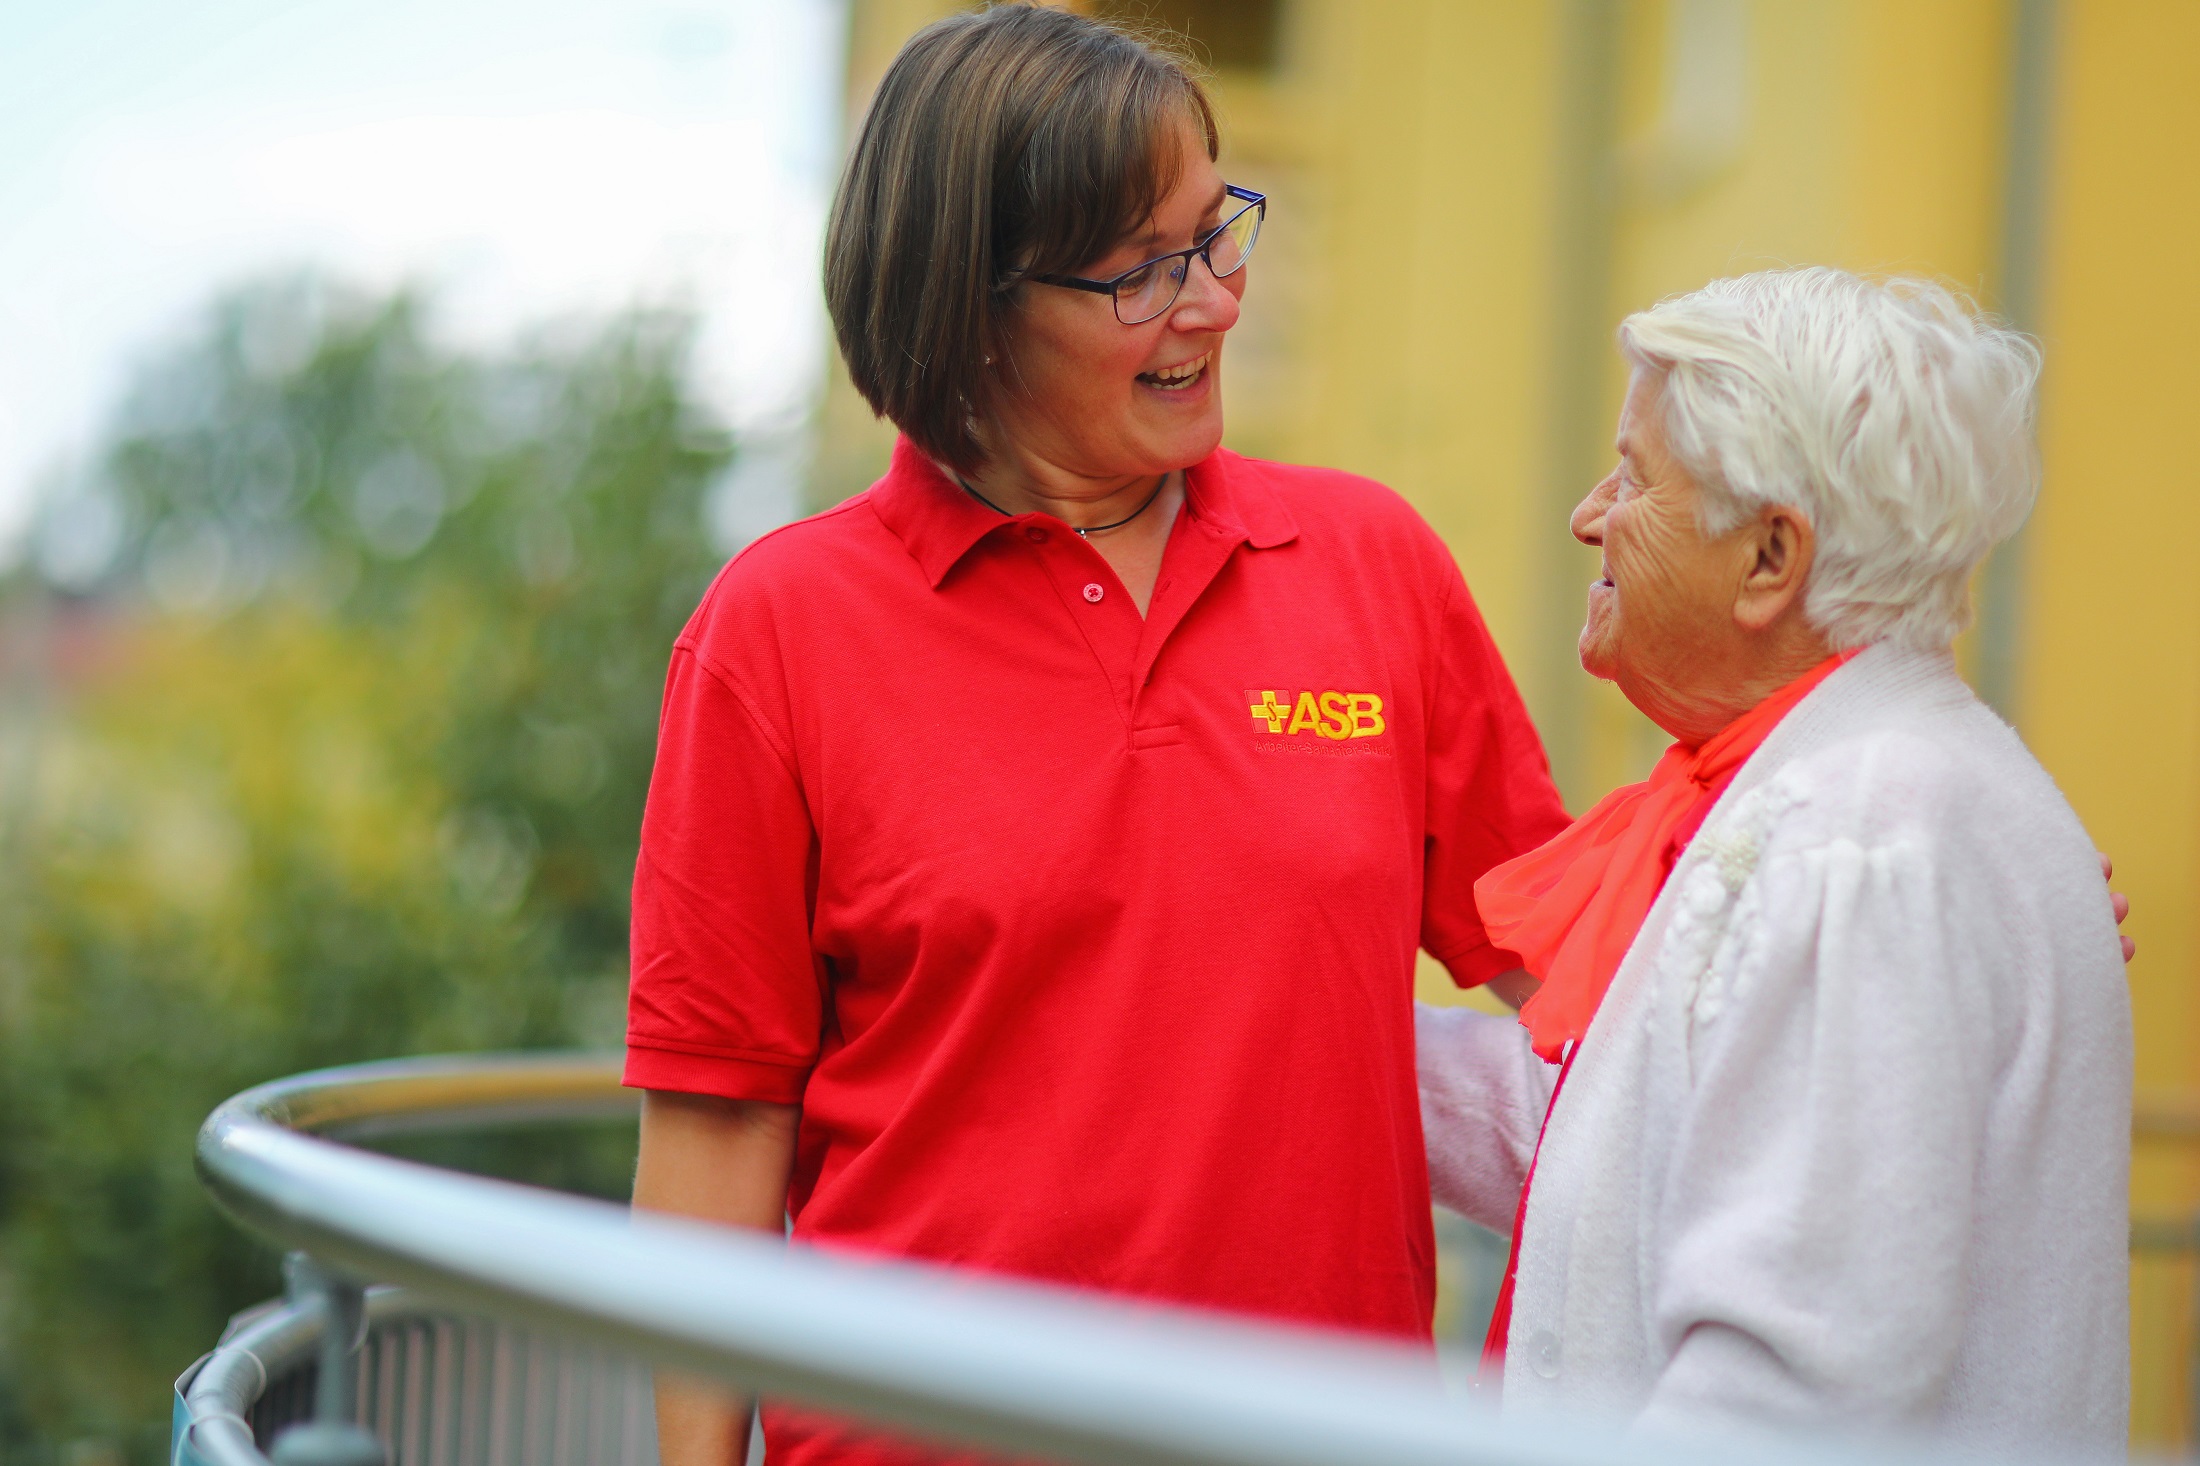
(1588, 521)
(1207, 303)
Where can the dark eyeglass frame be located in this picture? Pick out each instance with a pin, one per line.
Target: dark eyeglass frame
(1111, 286)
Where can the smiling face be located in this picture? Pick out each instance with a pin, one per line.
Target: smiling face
(1661, 615)
(1665, 586)
(1087, 397)
(1696, 629)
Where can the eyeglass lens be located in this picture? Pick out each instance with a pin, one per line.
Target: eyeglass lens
(1141, 296)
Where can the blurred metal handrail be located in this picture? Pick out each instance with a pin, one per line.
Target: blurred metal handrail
(2165, 1115)
(407, 1096)
(1032, 1369)
(222, 1388)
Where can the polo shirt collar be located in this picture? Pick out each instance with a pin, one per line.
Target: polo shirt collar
(938, 523)
(933, 518)
(1230, 492)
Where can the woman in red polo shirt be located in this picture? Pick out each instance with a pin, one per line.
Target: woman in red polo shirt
(1040, 841)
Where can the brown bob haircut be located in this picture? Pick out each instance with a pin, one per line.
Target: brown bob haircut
(1019, 136)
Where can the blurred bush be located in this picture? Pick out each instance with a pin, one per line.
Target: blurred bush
(329, 701)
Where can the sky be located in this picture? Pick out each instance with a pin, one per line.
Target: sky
(528, 161)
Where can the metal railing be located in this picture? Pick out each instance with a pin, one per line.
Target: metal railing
(435, 1388)
(1028, 1369)
(2174, 1120)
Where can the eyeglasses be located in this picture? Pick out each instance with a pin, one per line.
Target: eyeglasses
(1145, 291)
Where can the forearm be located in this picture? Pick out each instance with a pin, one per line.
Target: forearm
(1514, 988)
(1483, 1095)
(723, 1161)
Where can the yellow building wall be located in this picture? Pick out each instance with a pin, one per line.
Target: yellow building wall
(1400, 323)
(1421, 126)
(2111, 691)
(1871, 140)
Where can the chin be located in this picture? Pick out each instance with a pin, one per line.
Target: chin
(1204, 444)
(1182, 449)
(1599, 656)
(1179, 435)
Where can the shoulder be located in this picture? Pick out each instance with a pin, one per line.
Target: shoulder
(1913, 827)
(848, 532)
(1932, 769)
(792, 572)
(1342, 516)
(1329, 498)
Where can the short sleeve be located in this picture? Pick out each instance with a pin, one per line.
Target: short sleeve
(726, 995)
(1490, 795)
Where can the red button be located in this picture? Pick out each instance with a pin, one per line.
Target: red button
(1093, 592)
(1035, 534)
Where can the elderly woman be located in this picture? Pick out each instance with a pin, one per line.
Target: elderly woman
(1039, 841)
(1841, 1133)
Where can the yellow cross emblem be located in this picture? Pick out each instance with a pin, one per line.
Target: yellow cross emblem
(1271, 711)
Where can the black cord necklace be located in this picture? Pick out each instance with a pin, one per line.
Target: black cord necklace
(1091, 530)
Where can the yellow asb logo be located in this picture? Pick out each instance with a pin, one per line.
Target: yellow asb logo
(1333, 715)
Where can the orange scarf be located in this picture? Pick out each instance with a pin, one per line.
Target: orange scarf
(1570, 908)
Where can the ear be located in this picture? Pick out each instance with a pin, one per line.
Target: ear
(1781, 546)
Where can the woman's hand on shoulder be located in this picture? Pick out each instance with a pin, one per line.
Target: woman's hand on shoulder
(2119, 902)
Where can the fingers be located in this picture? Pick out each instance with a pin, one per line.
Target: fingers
(2119, 903)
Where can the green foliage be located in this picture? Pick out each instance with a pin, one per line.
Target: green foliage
(343, 758)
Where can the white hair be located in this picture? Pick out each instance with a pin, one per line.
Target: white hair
(1892, 414)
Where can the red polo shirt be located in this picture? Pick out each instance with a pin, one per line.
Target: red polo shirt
(1084, 939)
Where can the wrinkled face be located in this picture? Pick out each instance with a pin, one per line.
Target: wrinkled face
(1100, 399)
(1665, 602)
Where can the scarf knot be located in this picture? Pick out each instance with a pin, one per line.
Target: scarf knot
(1570, 908)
